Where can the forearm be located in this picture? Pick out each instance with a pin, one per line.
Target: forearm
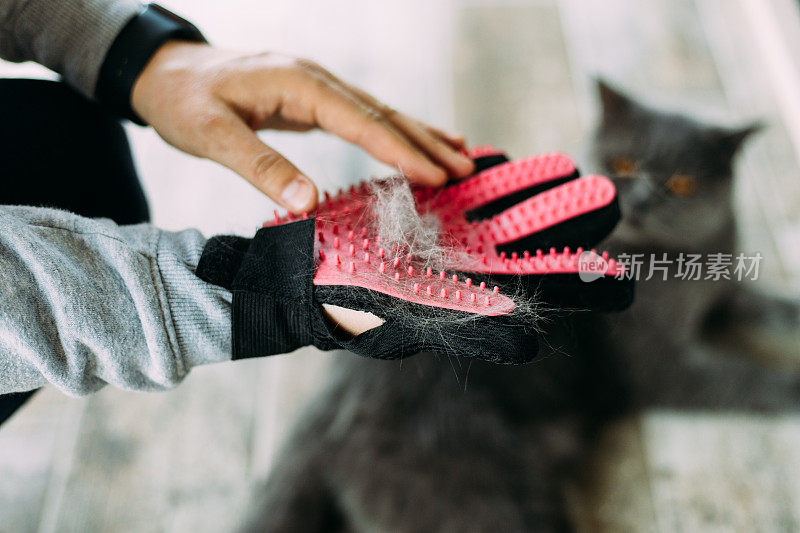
(87, 303)
(68, 36)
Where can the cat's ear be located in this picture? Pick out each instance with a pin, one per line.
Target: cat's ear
(731, 139)
(613, 101)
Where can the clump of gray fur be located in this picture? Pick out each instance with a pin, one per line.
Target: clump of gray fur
(399, 224)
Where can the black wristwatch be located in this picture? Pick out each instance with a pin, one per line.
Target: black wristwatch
(132, 49)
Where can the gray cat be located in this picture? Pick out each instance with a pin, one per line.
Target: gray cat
(443, 445)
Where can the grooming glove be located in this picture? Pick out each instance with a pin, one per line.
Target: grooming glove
(494, 226)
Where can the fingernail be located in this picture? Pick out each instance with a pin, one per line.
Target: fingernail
(297, 194)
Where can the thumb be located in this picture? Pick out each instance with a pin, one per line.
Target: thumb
(236, 146)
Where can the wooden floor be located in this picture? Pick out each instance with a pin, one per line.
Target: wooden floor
(515, 73)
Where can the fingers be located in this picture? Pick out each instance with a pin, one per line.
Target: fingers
(232, 143)
(340, 113)
(442, 148)
(457, 141)
(418, 140)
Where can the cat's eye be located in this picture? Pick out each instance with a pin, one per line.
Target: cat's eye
(681, 184)
(623, 167)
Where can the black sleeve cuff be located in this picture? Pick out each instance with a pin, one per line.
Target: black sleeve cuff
(130, 52)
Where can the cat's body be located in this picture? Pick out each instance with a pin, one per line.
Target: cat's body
(431, 444)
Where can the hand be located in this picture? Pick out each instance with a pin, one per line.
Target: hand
(209, 103)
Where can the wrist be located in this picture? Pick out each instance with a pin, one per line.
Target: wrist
(171, 57)
(133, 49)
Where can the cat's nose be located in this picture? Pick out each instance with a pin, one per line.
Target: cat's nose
(636, 206)
(637, 210)
(633, 216)
(639, 203)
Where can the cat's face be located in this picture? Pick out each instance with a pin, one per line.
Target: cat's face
(673, 173)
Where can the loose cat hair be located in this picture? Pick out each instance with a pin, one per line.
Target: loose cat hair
(398, 224)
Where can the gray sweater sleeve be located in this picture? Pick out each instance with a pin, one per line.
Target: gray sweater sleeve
(70, 37)
(87, 303)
